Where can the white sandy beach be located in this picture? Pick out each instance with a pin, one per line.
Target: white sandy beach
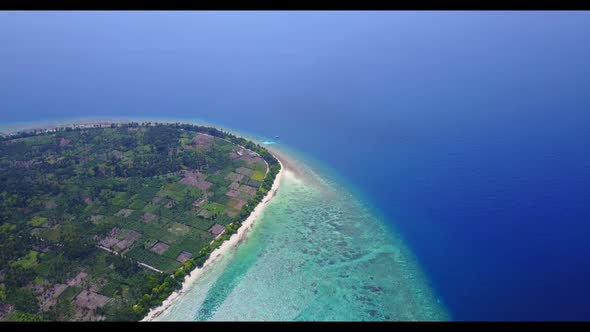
(233, 242)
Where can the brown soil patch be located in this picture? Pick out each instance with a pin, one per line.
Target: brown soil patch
(234, 177)
(160, 247)
(232, 193)
(202, 140)
(178, 228)
(128, 241)
(252, 159)
(77, 280)
(64, 142)
(48, 294)
(231, 213)
(91, 300)
(247, 189)
(236, 204)
(245, 171)
(195, 179)
(149, 217)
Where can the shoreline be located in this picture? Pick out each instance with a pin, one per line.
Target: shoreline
(90, 122)
(233, 242)
(16, 128)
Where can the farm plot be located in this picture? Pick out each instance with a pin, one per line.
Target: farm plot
(148, 257)
(258, 175)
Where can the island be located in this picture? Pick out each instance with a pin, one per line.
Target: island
(106, 221)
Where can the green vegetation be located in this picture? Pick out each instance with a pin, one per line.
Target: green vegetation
(80, 208)
(37, 221)
(19, 316)
(258, 175)
(27, 262)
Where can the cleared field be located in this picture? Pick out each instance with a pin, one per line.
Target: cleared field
(37, 221)
(148, 257)
(29, 261)
(258, 175)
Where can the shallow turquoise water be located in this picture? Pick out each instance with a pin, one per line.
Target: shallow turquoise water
(315, 254)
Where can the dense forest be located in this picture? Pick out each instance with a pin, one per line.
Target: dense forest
(104, 222)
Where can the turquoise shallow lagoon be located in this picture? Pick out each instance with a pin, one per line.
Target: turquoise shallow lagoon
(316, 253)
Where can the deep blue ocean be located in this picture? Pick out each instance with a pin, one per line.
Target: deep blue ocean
(469, 131)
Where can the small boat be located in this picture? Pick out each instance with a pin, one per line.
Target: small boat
(277, 136)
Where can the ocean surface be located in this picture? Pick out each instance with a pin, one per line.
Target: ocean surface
(463, 134)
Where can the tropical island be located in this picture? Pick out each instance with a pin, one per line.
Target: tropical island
(106, 221)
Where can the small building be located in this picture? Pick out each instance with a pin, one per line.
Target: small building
(217, 230)
(240, 153)
(184, 256)
(200, 201)
(160, 247)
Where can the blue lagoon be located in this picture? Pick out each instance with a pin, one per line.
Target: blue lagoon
(316, 253)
